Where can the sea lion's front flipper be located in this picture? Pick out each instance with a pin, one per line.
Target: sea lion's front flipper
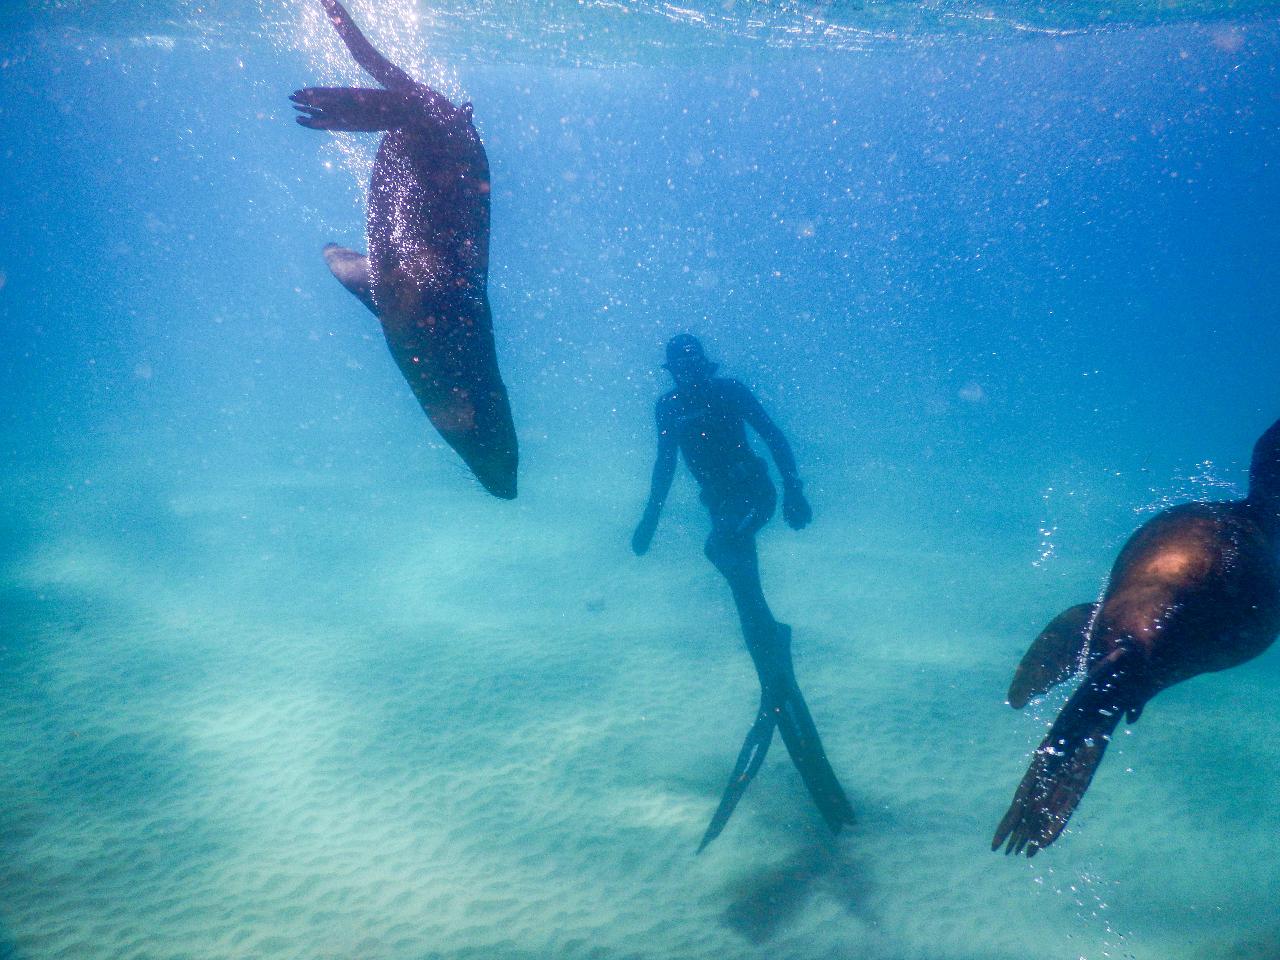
(1053, 656)
(352, 271)
(1065, 761)
(352, 109)
(384, 71)
(750, 757)
(370, 60)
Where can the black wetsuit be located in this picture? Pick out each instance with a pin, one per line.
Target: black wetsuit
(706, 421)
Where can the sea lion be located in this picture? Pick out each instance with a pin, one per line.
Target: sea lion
(426, 274)
(1196, 589)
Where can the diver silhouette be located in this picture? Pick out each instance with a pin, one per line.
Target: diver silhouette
(703, 418)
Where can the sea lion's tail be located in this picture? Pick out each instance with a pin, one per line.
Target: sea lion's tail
(1066, 760)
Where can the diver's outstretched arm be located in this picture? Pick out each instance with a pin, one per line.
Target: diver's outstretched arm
(664, 471)
(370, 60)
(795, 508)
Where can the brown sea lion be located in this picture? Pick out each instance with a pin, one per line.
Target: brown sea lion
(1196, 589)
(426, 275)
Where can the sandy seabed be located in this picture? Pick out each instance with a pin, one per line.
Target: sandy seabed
(290, 717)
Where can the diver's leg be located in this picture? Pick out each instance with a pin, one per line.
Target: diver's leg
(736, 559)
(732, 548)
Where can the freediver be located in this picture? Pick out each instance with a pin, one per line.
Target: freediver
(703, 418)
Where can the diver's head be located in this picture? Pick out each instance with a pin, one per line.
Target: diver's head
(686, 361)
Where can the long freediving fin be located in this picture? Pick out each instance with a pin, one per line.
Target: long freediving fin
(782, 706)
(799, 733)
(750, 757)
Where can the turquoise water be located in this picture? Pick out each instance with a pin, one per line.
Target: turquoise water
(278, 680)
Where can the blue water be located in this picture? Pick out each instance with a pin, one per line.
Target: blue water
(277, 679)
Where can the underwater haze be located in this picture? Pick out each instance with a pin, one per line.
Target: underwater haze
(279, 680)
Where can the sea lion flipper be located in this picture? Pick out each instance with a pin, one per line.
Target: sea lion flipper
(352, 271)
(352, 109)
(1053, 656)
(365, 54)
(1067, 758)
(750, 757)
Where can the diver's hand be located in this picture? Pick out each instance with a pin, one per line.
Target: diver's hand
(795, 508)
(643, 536)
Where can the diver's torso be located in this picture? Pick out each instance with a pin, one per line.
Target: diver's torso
(707, 423)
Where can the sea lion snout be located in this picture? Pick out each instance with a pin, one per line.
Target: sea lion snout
(496, 470)
(480, 429)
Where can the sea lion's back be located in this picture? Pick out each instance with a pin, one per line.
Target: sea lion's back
(1197, 586)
